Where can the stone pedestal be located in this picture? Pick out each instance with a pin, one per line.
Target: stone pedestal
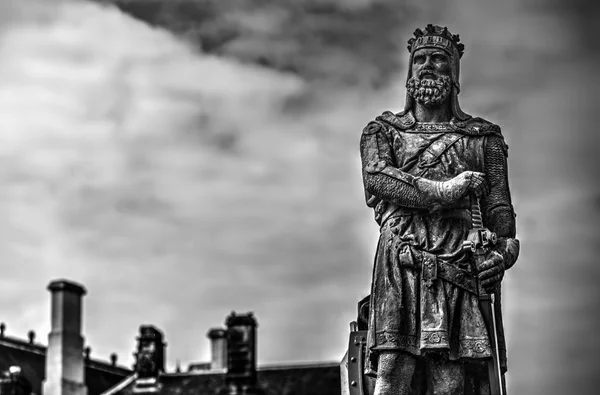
(344, 375)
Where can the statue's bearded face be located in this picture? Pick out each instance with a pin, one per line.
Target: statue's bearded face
(430, 83)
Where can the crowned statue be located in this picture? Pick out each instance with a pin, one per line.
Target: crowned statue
(437, 180)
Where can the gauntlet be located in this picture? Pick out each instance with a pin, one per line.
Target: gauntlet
(448, 192)
(500, 259)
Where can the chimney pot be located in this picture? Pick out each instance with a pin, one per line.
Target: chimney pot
(113, 359)
(65, 285)
(218, 348)
(31, 336)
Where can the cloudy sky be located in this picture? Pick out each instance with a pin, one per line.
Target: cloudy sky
(180, 181)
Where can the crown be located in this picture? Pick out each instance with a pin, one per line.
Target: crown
(438, 37)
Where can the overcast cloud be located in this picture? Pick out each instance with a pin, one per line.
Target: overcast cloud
(179, 185)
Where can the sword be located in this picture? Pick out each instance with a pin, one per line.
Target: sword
(479, 241)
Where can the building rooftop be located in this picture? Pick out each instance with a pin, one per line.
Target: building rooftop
(31, 358)
(308, 379)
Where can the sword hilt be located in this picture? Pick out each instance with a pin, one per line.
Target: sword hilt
(479, 238)
(476, 217)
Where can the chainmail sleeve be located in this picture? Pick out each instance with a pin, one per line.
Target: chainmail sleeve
(497, 206)
(497, 209)
(382, 179)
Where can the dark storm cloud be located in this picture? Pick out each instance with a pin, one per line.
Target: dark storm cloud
(341, 42)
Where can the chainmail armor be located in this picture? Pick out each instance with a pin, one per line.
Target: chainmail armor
(394, 191)
(497, 207)
(375, 149)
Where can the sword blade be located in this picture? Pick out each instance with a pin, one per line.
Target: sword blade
(487, 303)
(496, 358)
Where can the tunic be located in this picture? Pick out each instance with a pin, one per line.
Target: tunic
(423, 293)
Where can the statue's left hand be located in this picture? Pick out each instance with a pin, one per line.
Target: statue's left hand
(491, 271)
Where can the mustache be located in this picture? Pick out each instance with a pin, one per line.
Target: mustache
(427, 71)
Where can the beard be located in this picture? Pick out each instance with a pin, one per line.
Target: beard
(429, 92)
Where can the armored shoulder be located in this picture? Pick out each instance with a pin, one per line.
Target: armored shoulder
(401, 121)
(478, 126)
(375, 153)
(373, 127)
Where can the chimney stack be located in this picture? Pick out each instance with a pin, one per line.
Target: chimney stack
(241, 375)
(149, 359)
(64, 357)
(218, 348)
(150, 356)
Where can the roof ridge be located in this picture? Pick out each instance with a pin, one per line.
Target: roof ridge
(107, 366)
(40, 349)
(14, 342)
(297, 365)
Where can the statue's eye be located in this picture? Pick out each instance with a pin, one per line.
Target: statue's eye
(439, 58)
(419, 59)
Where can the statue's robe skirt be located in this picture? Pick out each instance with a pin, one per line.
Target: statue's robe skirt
(405, 313)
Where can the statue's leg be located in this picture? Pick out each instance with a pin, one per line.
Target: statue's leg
(446, 377)
(394, 373)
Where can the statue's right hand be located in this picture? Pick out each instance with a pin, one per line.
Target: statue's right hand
(467, 182)
(451, 191)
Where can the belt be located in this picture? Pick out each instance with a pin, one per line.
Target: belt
(434, 268)
(391, 211)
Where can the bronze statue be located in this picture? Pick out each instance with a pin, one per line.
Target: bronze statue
(437, 180)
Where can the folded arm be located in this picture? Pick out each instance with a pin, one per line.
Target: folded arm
(381, 177)
(384, 180)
